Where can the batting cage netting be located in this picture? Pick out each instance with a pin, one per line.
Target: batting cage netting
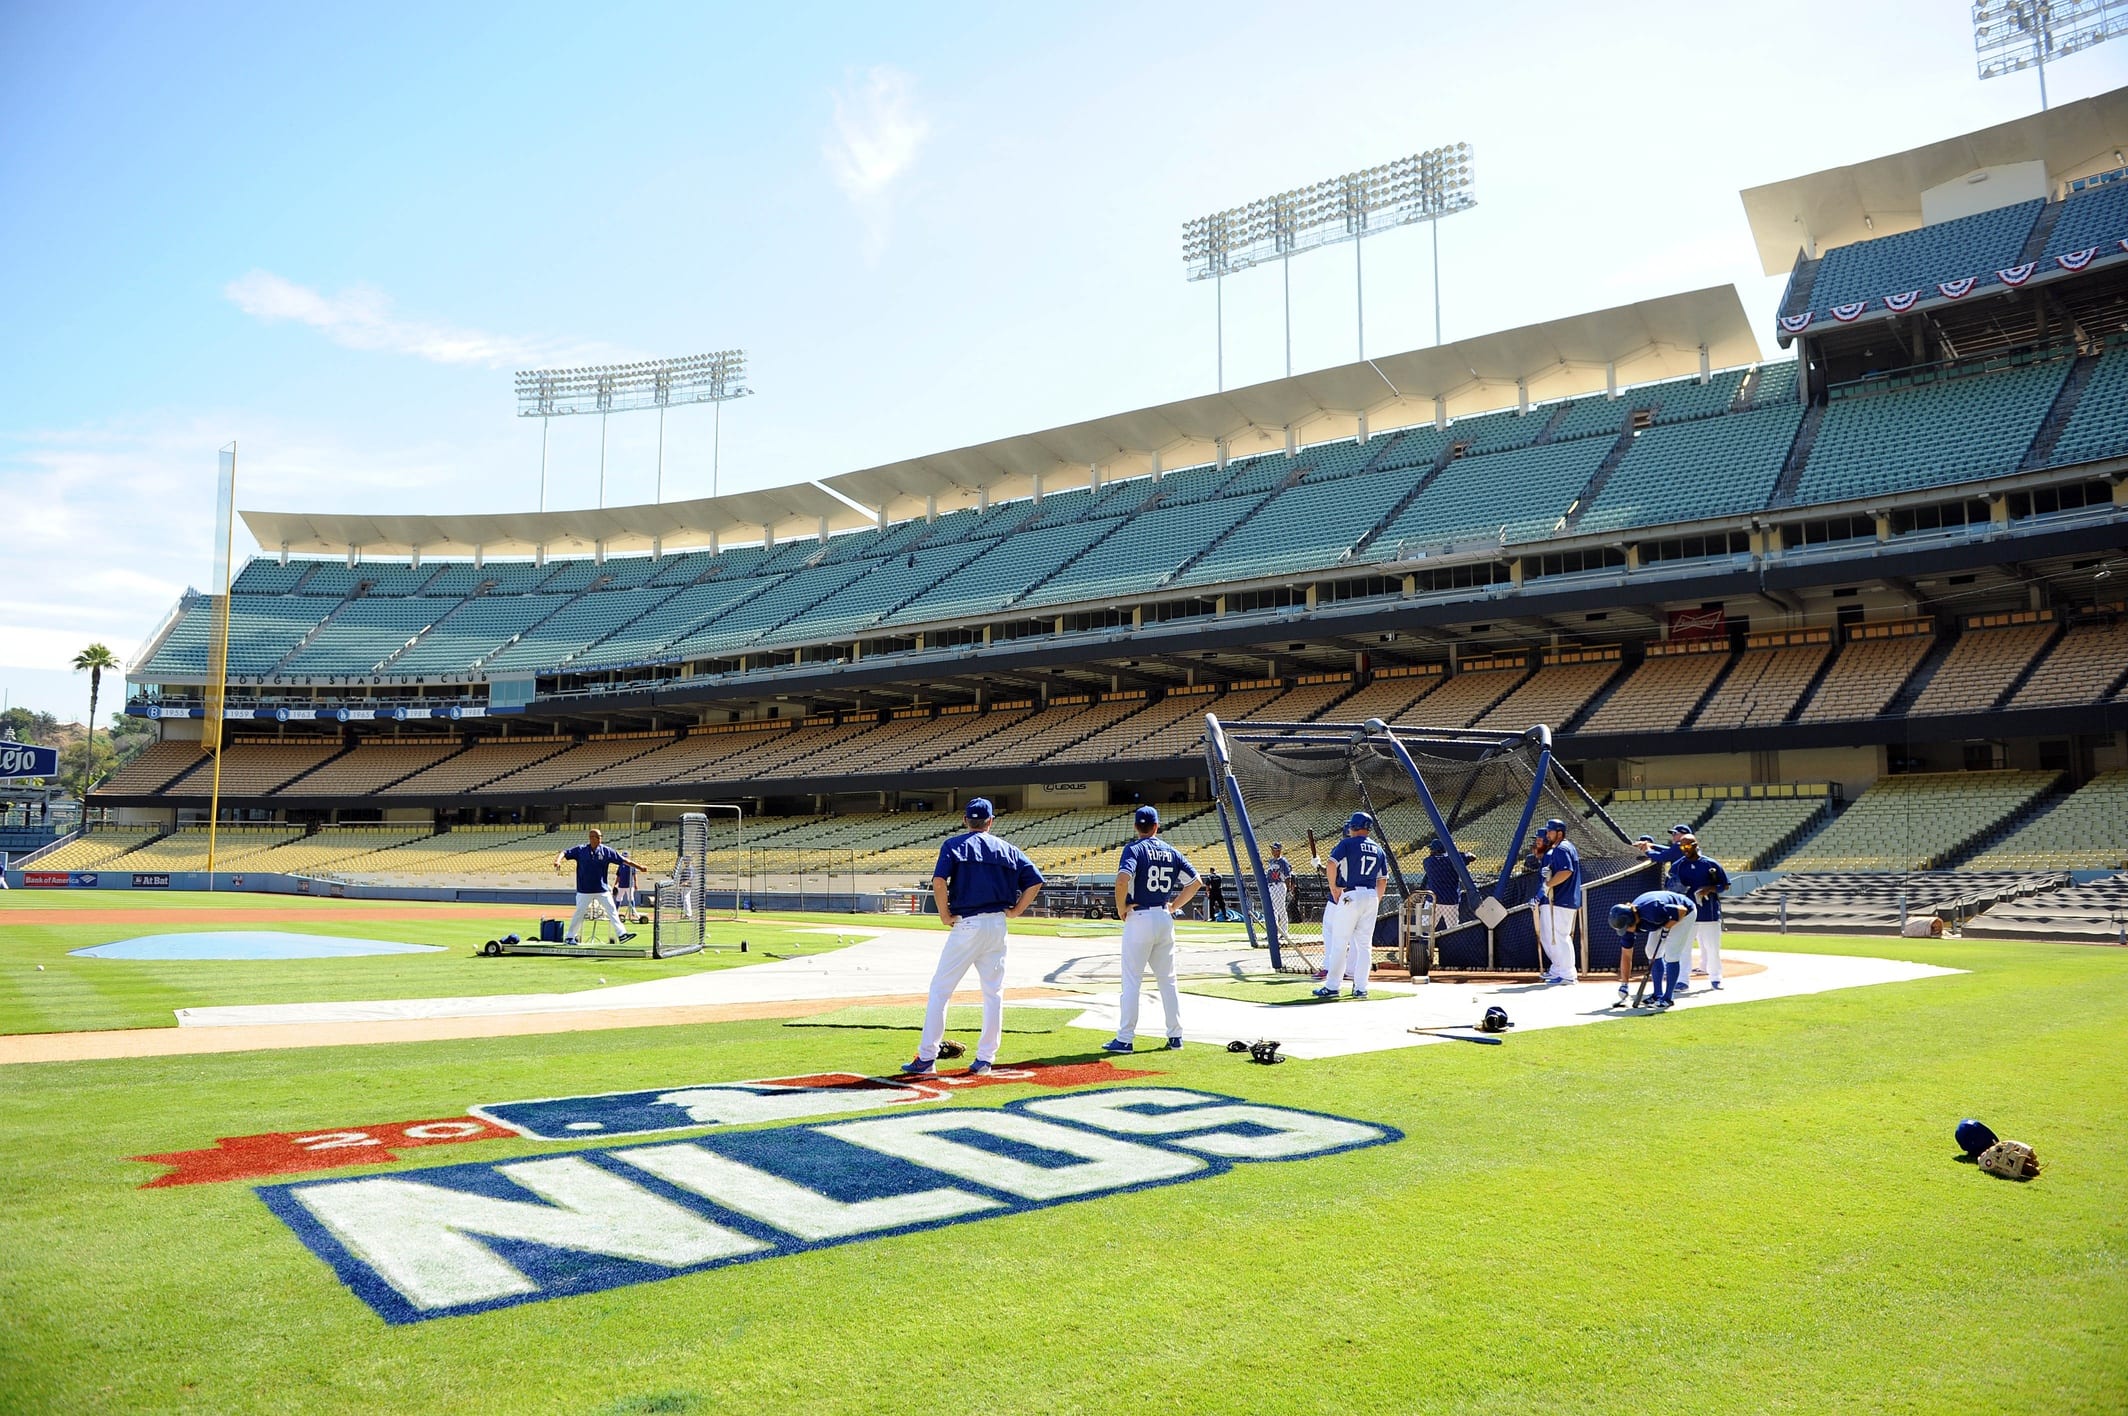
(679, 919)
(1484, 795)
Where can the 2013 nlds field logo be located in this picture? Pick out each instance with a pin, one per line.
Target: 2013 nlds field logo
(467, 1238)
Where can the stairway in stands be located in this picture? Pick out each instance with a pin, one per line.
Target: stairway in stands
(1418, 489)
(2036, 242)
(1806, 436)
(2041, 453)
(1699, 704)
(1916, 682)
(1800, 283)
(1581, 504)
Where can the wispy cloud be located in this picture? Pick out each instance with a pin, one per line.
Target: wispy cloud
(362, 318)
(878, 131)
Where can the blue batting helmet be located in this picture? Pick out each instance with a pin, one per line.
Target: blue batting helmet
(1555, 824)
(1974, 1136)
(1624, 917)
(1359, 821)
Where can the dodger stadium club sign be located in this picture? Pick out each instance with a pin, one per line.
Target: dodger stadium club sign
(456, 1239)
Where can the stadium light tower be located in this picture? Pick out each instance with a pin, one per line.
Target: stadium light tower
(606, 389)
(2009, 35)
(1425, 186)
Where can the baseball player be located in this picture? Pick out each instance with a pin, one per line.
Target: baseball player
(1278, 878)
(979, 883)
(1667, 918)
(1667, 856)
(1154, 883)
(1446, 885)
(1559, 905)
(1704, 880)
(592, 896)
(624, 883)
(1357, 864)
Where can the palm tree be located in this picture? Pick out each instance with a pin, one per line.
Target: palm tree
(96, 658)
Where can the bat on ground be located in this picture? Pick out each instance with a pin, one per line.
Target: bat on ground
(1479, 1038)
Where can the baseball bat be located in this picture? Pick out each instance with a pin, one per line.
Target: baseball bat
(1313, 854)
(1479, 1038)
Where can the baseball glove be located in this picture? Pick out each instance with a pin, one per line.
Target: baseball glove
(1266, 1053)
(2012, 1160)
(950, 1048)
(1237, 1045)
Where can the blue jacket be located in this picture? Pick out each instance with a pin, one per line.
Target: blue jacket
(1157, 871)
(1693, 876)
(982, 873)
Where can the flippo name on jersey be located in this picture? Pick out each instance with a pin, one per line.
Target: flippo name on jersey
(450, 1240)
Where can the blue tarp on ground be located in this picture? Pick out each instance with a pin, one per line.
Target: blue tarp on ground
(249, 944)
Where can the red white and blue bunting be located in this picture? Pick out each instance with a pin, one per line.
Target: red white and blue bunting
(1957, 289)
(1848, 314)
(1796, 324)
(2075, 260)
(1900, 304)
(2018, 274)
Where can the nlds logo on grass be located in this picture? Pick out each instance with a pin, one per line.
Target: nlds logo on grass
(459, 1239)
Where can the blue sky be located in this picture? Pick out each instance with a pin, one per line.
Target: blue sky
(332, 235)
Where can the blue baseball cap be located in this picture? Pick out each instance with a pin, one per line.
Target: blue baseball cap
(1649, 839)
(1147, 816)
(1555, 824)
(1359, 821)
(979, 809)
(1435, 846)
(1681, 829)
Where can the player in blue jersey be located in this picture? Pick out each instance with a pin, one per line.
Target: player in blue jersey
(1357, 865)
(1667, 856)
(1154, 882)
(1667, 918)
(1705, 881)
(1444, 883)
(593, 898)
(979, 883)
(1558, 901)
(1278, 885)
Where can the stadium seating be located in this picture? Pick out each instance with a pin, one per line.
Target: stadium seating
(1600, 416)
(371, 767)
(2098, 426)
(1980, 668)
(254, 768)
(1776, 386)
(1551, 696)
(1683, 400)
(1392, 699)
(455, 641)
(236, 847)
(2081, 667)
(1465, 697)
(2089, 913)
(1764, 687)
(1714, 467)
(1865, 677)
(1929, 435)
(158, 762)
(477, 766)
(882, 587)
(1142, 552)
(95, 850)
(1750, 833)
(750, 618)
(1919, 821)
(1499, 432)
(577, 762)
(1660, 694)
(572, 625)
(1252, 476)
(1510, 496)
(1002, 574)
(1305, 525)
(1061, 724)
(640, 641)
(1838, 900)
(2097, 216)
(2086, 830)
(1654, 813)
(1976, 246)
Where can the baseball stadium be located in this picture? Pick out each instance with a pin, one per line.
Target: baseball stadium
(1622, 903)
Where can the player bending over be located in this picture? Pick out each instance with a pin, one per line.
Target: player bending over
(1154, 883)
(1667, 918)
(979, 883)
(593, 897)
(1357, 864)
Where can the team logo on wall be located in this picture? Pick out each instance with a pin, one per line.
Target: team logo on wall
(456, 1239)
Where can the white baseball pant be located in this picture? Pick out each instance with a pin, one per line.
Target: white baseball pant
(978, 940)
(1348, 939)
(1555, 930)
(1673, 944)
(592, 906)
(1148, 938)
(1709, 934)
(1446, 916)
(1277, 895)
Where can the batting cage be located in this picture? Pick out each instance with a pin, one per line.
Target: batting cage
(679, 913)
(1483, 795)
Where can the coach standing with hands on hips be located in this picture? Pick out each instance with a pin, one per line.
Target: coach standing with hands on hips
(1154, 882)
(1559, 867)
(980, 882)
(1357, 865)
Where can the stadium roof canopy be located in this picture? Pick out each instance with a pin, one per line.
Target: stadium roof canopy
(1882, 197)
(1671, 337)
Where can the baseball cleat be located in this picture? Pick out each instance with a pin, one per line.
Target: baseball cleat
(1326, 993)
(979, 1066)
(1116, 1044)
(1174, 1044)
(1359, 993)
(626, 937)
(921, 1067)
(1716, 984)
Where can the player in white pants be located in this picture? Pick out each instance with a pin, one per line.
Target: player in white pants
(1154, 883)
(1559, 907)
(980, 882)
(1357, 865)
(593, 896)
(1704, 880)
(1278, 876)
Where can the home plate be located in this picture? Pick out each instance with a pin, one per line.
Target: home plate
(1386, 1019)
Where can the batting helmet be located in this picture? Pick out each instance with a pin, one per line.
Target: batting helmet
(1495, 1020)
(1623, 917)
(1973, 1136)
(1359, 821)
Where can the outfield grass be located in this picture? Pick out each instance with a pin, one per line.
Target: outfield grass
(1747, 1208)
(76, 994)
